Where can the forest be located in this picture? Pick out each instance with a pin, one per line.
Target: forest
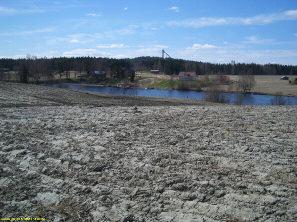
(46, 67)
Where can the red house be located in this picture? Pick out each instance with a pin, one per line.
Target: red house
(187, 75)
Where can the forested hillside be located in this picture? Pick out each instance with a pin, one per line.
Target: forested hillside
(174, 66)
(48, 66)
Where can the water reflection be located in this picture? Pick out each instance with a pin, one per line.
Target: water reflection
(239, 98)
(279, 100)
(230, 98)
(243, 99)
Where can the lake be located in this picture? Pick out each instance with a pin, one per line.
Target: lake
(230, 98)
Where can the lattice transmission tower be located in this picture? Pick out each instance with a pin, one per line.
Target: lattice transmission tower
(165, 55)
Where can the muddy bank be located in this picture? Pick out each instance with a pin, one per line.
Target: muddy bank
(16, 94)
(77, 162)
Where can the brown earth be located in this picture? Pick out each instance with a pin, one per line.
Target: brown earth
(69, 156)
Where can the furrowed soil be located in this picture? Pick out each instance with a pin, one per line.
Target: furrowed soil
(70, 156)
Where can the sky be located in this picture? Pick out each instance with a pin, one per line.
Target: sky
(217, 31)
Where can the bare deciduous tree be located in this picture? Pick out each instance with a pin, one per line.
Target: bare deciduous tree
(246, 83)
(24, 73)
(215, 95)
(1, 74)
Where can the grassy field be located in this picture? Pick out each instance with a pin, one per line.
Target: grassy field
(174, 84)
(264, 84)
(161, 81)
(273, 85)
(269, 84)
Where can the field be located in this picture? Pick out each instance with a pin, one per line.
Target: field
(268, 84)
(69, 156)
(273, 85)
(264, 84)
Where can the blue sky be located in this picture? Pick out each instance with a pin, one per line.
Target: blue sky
(260, 31)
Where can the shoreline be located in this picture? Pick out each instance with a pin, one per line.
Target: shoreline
(33, 94)
(139, 87)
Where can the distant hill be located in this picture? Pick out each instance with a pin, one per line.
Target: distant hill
(174, 66)
(36, 67)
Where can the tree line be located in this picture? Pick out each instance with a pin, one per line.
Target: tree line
(35, 68)
(174, 66)
(46, 67)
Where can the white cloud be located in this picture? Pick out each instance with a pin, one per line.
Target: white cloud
(220, 21)
(15, 11)
(85, 38)
(130, 51)
(131, 29)
(28, 32)
(74, 40)
(256, 40)
(174, 8)
(119, 56)
(44, 53)
(111, 46)
(291, 13)
(93, 15)
(198, 22)
(154, 50)
(77, 38)
(126, 8)
(201, 46)
(7, 11)
(123, 51)
(227, 53)
(220, 54)
(85, 52)
(197, 50)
